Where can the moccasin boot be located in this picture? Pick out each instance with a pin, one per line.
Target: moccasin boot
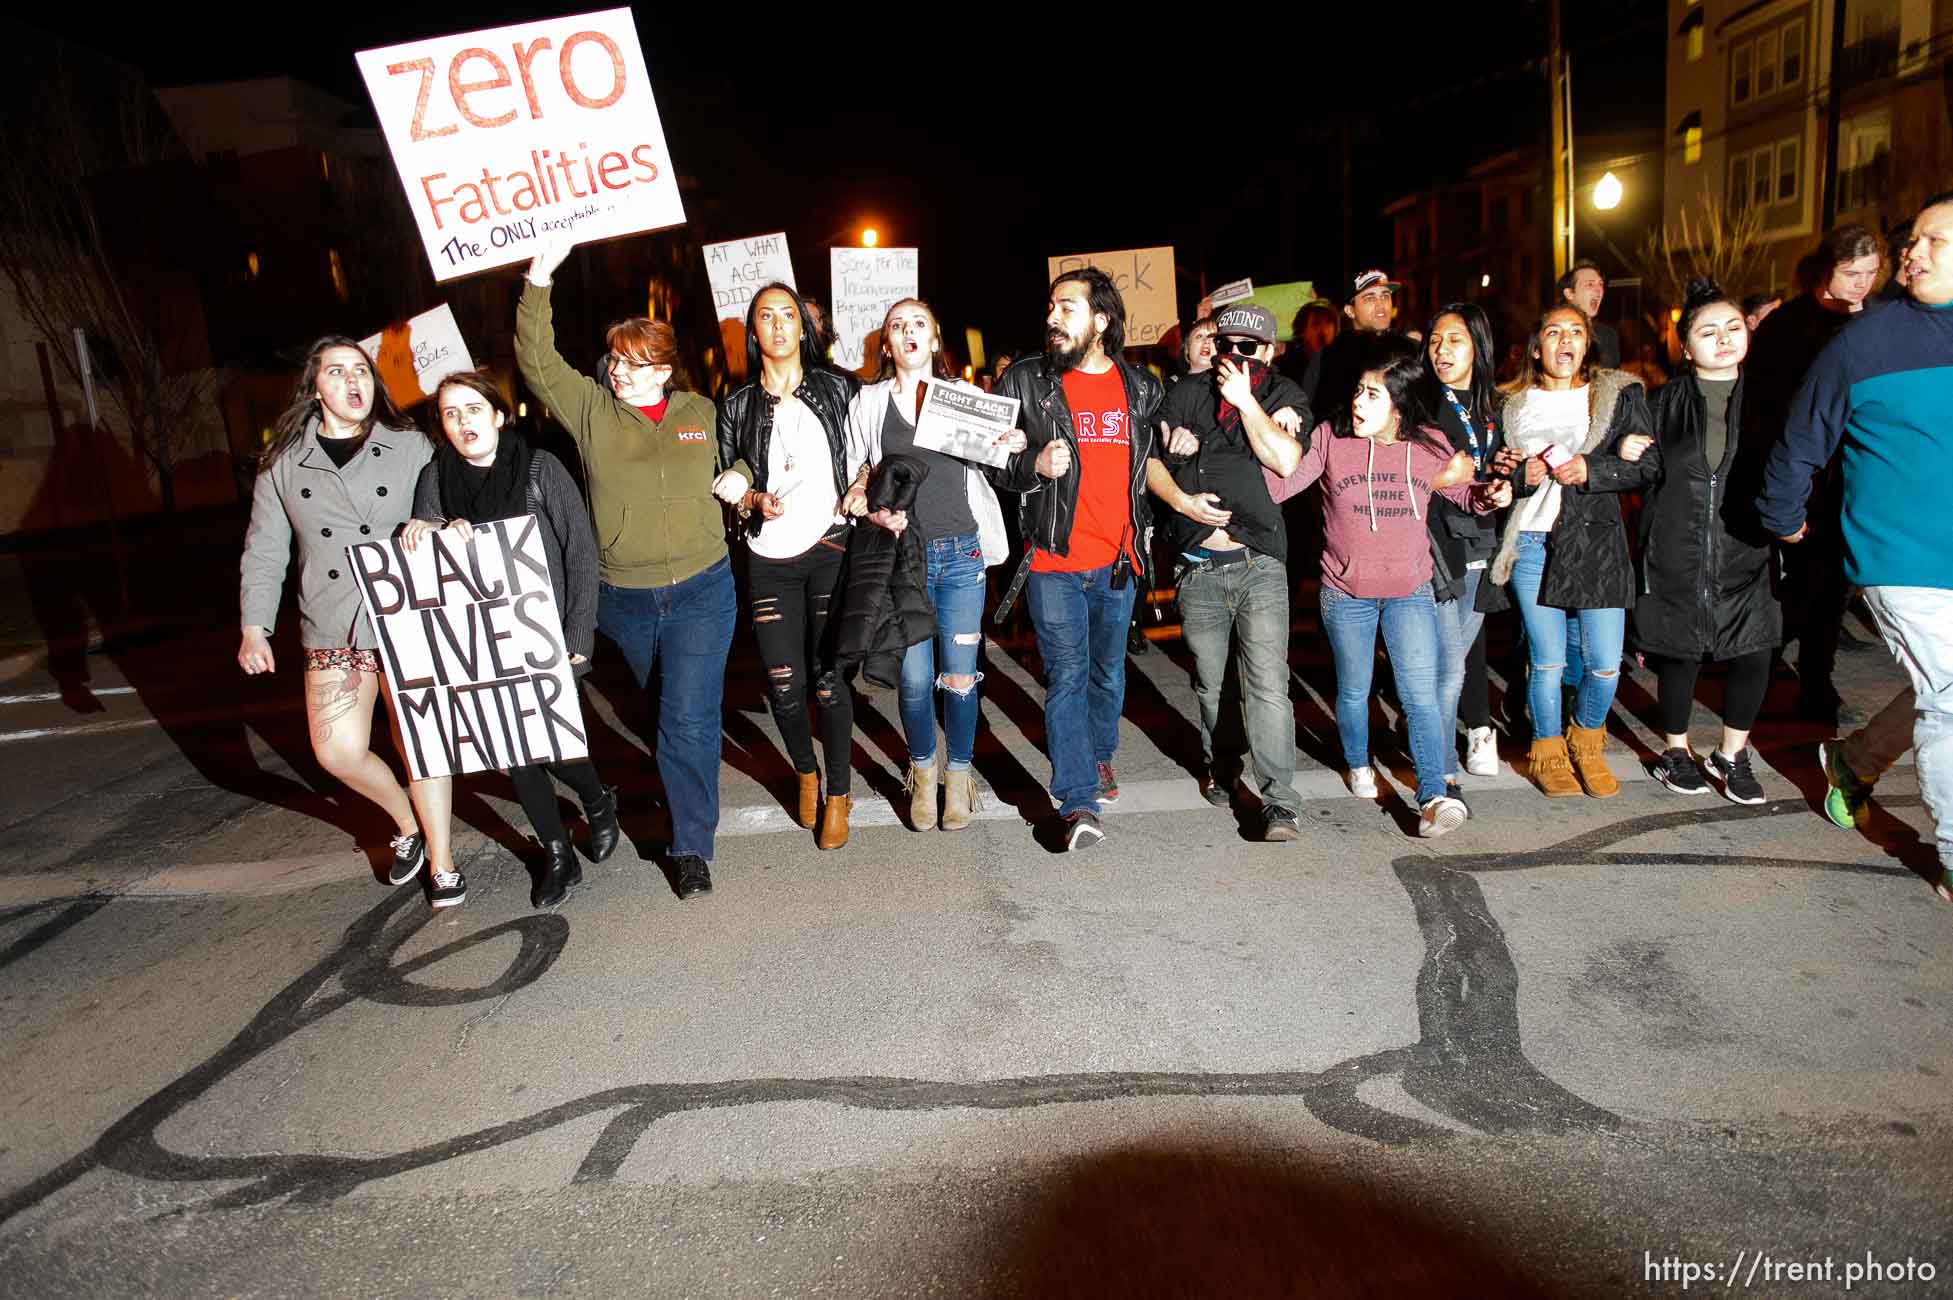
(834, 822)
(921, 785)
(1586, 744)
(959, 798)
(1551, 771)
(809, 811)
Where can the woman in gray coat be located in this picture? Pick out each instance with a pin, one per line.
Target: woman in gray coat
(341, 468)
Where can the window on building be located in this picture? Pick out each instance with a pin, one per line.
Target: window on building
(1739, 72)
(1868, 20)
(1526, 207)
(1793, 52)
(1695, 42)
(1788, 154)
(1500, 214)
(1766, 64)
(1690, 33)
(1762, 176)
(1864, 159)
(1692, 145)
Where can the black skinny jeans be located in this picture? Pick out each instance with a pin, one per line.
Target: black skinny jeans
(1749, 680)
(538, 794)
(792, 600)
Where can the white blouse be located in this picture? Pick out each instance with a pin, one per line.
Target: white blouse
(800, 472)
(1548, 416)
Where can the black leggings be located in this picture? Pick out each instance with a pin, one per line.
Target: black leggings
(1475, 701)
(792, 600)
(538, 794)
(1749, 679)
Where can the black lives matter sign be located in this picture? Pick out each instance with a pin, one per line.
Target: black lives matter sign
(472, 643)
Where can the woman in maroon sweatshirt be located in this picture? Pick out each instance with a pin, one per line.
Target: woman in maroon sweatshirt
(1378, 465)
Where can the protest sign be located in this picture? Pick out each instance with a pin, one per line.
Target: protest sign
(504, 136)
(962, 420)
(1144, 278)
(1285, 300)
(414, 356)
(472, 643)
(1233, 291)
(740, 268)
(866, 283)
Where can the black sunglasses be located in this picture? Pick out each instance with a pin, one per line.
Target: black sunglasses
(1225, 345)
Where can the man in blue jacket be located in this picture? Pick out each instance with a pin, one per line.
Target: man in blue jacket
(1883, 391)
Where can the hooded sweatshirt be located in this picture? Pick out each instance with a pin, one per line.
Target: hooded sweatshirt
(1375, 499)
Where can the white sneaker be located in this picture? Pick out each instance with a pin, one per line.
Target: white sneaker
(1481, 752)
(1363, 782)
(1441, 815)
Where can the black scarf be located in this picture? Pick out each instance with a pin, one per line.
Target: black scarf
(499, 492)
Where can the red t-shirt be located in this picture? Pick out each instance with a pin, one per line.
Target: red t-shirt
(657, 412)
(1100, 420)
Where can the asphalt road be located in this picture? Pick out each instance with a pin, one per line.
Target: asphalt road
(1578, 1048)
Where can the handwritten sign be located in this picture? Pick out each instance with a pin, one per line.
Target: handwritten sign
(414, 356)
(504, 136)
(962, 420)
(740, 268)
(1144, 278)
(472, 642)
(866, 283)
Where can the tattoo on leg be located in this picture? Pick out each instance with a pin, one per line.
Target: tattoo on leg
(329, 700)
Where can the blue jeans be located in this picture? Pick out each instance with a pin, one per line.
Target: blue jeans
(1248, 599)
(685, 631)
(956, 591)
(1602, 632)
(1410, 633)
(1458, 625)
(1917, 623)
(1081, 625)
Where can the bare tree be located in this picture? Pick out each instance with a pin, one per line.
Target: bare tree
(1727, 246)
(85, 150)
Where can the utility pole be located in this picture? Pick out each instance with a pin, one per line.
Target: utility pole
(1560, 92)
(1834, 109)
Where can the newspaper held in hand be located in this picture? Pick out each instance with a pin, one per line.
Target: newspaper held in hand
(964, 421)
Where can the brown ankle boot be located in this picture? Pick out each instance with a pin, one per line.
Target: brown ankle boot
(834, 822)
(959, 798)
(1550, 770)
(810, 798)
(1586, 744)
(921, 785)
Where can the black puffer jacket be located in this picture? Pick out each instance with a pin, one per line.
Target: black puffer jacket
(887, 609)
(1706, 581)
(746, 427)
(1587, 563)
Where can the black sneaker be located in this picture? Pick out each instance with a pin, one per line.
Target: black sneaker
(1278, 824)
(1082, 831)
(409, 856)
(1739, 784)
(694, 876)
(446, 889)
(1676, 769)
(1216, 791)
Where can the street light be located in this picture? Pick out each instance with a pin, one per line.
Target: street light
(1607, 192)
(870, 237)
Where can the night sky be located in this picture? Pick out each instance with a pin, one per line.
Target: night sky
(993, 146)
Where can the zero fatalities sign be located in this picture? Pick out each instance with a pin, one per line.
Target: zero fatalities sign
(503, 136)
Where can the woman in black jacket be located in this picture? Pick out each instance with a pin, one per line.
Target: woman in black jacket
(1460, 391)
(1565, 550)
(485, 471)
(1705, 558)
(783, 449)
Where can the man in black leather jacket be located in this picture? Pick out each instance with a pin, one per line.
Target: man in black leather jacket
(1087, 416)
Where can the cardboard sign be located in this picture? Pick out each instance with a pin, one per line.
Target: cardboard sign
(740, 268)
(472, 643)
(964, 421)
(414, 356)
(866, 283)
(1144, 278)
(503, 136)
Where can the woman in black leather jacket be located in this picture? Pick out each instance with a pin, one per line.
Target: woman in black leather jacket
(783, 453)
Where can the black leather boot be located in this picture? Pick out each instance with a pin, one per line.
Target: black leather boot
(554, 884)
(604, 831)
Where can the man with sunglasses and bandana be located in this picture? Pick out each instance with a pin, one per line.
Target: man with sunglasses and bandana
(1219, 432)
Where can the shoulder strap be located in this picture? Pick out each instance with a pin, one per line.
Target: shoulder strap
(535, 484)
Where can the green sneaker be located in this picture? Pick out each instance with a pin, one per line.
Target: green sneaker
(1844, 801)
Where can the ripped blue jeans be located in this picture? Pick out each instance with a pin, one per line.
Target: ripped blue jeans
(956, 590)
